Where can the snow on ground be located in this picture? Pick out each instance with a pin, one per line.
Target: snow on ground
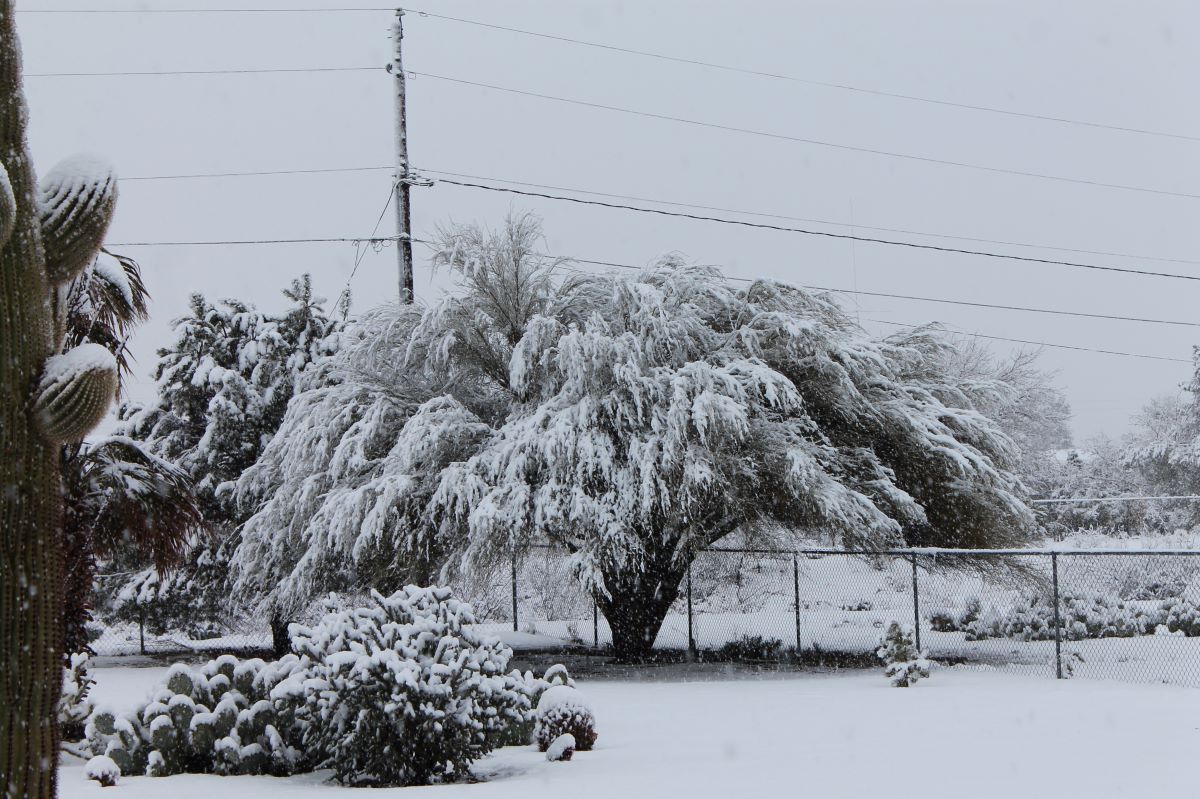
(970, 733)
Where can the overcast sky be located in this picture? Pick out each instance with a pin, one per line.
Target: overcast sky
(1130, 64)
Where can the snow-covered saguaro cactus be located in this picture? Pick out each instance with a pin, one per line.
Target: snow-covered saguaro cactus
(47, 236)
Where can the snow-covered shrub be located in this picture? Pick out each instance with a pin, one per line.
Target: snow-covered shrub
(1031, 618)
(403, 693)
(219, 718)
(752, 648)
(1181, 616)
(103, 770)
(74, 706)
(904, 665)
(561, 748)
(945, 620)
(562, 710)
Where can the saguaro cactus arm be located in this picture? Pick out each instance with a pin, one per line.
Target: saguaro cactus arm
(76, 199)
(76, 391)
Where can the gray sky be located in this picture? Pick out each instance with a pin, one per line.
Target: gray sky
(1120, 63)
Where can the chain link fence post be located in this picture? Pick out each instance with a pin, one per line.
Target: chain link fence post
(514, 590)
(916, 603)
(796, 597)
(1057, 619)
(142, 629)
(691, 629)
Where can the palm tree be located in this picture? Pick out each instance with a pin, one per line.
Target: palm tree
(119, 497)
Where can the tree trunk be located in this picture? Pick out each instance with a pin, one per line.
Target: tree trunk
(30, 481)
(637, 605)
(281, 642)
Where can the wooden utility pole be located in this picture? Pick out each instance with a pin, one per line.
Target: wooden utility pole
(403, 177)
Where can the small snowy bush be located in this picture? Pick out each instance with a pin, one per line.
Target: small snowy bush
(103, 770)
(1084, 616)
(404, 693)
(904, 665)
(521, 733)
(752, 648)
(561, 748)
(218, 718)
(74, 706)
(949, 621)
(562, 710)
(1181, 617)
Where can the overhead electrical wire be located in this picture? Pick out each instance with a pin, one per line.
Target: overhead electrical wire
(807, 81)
(248, 71)
(335, 170)
(1031, 342)
(767, 215)
(821, 233)
(337, 239)
(805, 140)
(779, 76)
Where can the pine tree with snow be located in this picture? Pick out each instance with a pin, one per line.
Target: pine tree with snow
(903, 664)
(223, 387)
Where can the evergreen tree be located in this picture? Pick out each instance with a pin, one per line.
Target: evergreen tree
(223, 387)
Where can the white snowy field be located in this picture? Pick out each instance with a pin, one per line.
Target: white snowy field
(963, 732)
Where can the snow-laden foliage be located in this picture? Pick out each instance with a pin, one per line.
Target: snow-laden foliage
(633, 419)
(563, 710)
(214, 719)
(404, 693)
(75, 704)
(103, 770)
(1082, 616)
(223, 386)
(903, 664)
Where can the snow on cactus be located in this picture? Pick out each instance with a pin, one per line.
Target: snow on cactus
(904, 664)
(218, 718)
(563, 710)
(103, 770)
(404, 693)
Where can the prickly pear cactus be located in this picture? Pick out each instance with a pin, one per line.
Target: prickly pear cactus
(47, 235)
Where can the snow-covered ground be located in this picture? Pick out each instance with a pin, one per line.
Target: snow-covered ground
(962, 733)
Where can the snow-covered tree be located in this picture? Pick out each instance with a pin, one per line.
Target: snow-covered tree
(634, 419)
(1011, 390)
(341, 493)
(659, 412)
(223, 387)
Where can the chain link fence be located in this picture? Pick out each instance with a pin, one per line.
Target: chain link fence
(1129, 615)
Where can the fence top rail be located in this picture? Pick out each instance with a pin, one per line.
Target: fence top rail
(936, 551)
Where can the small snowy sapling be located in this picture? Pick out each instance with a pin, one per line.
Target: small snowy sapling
(904, 665)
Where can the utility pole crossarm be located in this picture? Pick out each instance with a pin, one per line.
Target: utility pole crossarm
(403, 177)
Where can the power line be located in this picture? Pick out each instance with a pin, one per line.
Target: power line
(805, 140)
(944, 301)
(260, 173)
(1033, 343)
(343, 239)
(335, 170)
(1051, 345)
(198, 10)
(808, 81)
(766, 215)
(262, 71)
(822, 233)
